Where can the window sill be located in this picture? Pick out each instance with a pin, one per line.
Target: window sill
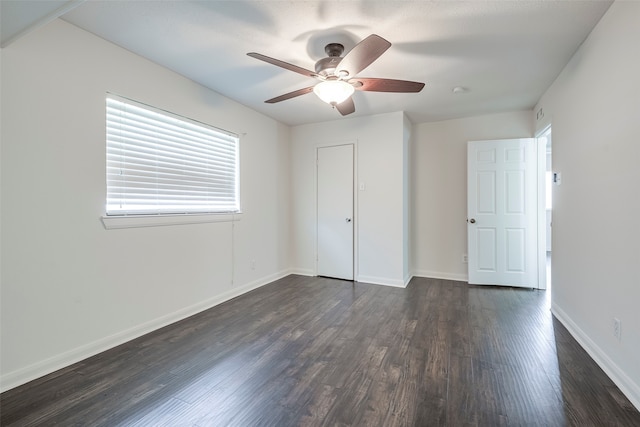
(137, 221)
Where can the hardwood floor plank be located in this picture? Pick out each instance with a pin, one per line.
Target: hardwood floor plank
(310, 351)
(489, 396)
(462, 406)
(322, 401)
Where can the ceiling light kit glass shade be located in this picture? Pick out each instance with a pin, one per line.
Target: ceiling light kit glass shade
(333, 92)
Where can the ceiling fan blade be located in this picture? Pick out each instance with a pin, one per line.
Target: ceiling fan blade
(362, 55)
(283, 64)
(386, 85)
(346, 107)
(289, 95)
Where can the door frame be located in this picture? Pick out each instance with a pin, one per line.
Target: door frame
(355, 221)
(541, 146)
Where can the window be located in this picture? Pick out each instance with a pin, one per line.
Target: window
(161, 163)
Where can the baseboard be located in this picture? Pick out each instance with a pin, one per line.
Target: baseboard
(52, 364)
(407, 279)
(302, 272)
(440, 275)
(382, 281)
(628, 387)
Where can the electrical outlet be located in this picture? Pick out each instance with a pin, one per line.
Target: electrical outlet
(617, 331)
(465, 258)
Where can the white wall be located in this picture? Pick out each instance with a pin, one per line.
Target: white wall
(70, 288)
(379, 209)
(439, 199)
(594, 109)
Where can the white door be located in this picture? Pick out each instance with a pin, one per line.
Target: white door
(335, 211)
(502, 212)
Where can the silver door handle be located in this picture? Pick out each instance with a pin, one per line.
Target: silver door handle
(348, 219)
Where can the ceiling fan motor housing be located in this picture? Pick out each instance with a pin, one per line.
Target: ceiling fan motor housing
(334, 49)
(326, 66)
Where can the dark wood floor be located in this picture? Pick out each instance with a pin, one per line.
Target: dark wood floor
(314, 351)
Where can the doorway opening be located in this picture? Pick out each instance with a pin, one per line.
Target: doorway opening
(546, 233)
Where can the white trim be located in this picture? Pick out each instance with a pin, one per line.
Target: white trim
(457, 277)
(541, 223)
(407, 279)
(385, 281)
(52, 364)
(629, 388)
(303, 271)
(136, 221)
(542, 208)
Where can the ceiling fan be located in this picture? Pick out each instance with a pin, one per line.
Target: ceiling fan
(337, 74)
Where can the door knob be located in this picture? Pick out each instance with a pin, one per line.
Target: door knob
(348, 219)
(472, 221)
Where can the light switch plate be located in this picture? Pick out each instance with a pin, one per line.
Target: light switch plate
(557, 178)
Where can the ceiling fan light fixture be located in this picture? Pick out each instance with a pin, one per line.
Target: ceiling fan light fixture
(337, 73)
(333, 92)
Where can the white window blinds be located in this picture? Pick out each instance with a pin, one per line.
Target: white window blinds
(160, 163)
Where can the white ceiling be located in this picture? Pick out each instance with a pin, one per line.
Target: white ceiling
(506, 53)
